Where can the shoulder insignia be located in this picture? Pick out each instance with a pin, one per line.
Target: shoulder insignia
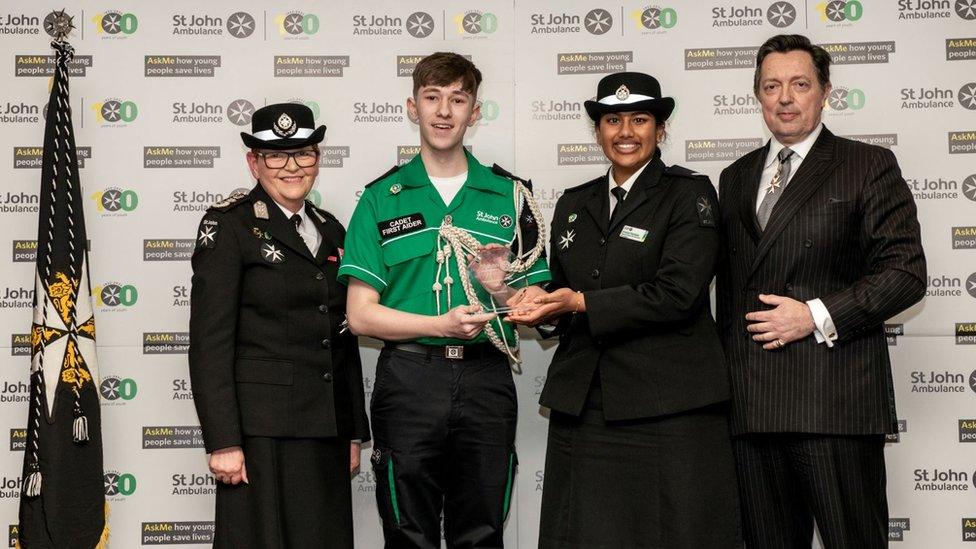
(229, 202)
(706, 211)
(207, 233)
(388, 173)
(261, 210)
(681, 171)
(498, 170)
(586, 185)
(323, 215)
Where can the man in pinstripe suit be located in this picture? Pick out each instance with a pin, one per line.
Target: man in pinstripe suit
(823, 246)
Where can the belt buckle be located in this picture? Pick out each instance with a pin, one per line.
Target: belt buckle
(454, 352)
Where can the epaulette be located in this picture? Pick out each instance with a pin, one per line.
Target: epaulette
(681, 171)
(388, 173)
(323, 215)
(586, 185)
(229, 202)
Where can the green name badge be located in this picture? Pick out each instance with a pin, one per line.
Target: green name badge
(633, 233)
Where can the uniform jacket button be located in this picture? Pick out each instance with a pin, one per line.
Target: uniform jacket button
(595, 273)
(808, 243)
(789, 287)
(327, 377)
(326, 344)
(319, 276)
(323, 309)
(603, 241)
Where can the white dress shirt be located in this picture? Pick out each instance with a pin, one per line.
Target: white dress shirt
(825, 331)
(307, 229)
(626, 185)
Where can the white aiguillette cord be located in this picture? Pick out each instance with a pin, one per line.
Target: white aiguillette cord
(452, 240)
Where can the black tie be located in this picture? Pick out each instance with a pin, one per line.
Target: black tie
(297, 220)
(619, 193)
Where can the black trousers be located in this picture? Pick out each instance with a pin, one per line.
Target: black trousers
(444, 434)
(788, 481)
(299, 496)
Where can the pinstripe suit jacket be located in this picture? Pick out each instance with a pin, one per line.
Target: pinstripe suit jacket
(845, 231)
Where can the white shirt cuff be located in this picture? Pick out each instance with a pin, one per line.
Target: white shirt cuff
(825, 331)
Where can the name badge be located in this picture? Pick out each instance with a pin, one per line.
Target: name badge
(633, 233)
(401, 225)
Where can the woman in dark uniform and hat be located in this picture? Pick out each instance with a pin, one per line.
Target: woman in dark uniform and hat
(277, 381)
(638, 451)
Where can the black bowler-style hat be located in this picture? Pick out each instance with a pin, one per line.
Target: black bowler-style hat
(629, 91)
(283, 126)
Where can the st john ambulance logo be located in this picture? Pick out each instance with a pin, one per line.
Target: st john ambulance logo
(967, 96)
(781, 14)
(966, 9)
(112, 22)
(241, 25)
(969, 187)
(598, 21)
(472, 22)
(271, 253)
(420, 24)
(567, 239)
(239, 112)
(655, 17)
(207, 236)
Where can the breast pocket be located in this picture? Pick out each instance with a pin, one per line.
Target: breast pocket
(410, 259)
(833, 207)
(401, 250)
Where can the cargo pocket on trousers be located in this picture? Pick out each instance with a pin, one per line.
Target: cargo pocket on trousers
(509, 483)
(384, 469)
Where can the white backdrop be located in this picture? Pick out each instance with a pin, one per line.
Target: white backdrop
(160, 91)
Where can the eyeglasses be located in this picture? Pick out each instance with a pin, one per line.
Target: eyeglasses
(275, 160)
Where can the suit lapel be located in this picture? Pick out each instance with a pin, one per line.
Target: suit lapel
(750, 187)
(810, 177)
(598, 205)
(639, 193)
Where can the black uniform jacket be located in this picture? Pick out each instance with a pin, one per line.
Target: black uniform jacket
(648, 328)
(266, 354)
(845, 231)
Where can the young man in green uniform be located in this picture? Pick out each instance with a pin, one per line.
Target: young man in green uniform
(444, 404)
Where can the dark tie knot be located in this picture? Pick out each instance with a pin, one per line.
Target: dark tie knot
(785, 155)
(619, 193)
(297, 220)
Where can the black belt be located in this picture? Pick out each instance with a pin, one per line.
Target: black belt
(451, 352)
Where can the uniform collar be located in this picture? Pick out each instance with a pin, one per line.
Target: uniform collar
(479, 177)
(626, 185)
(288, 213)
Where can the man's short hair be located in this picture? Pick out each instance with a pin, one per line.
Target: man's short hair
(785, 43)
(445, 68)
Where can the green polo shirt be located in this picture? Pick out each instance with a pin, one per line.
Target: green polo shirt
(392, 239)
